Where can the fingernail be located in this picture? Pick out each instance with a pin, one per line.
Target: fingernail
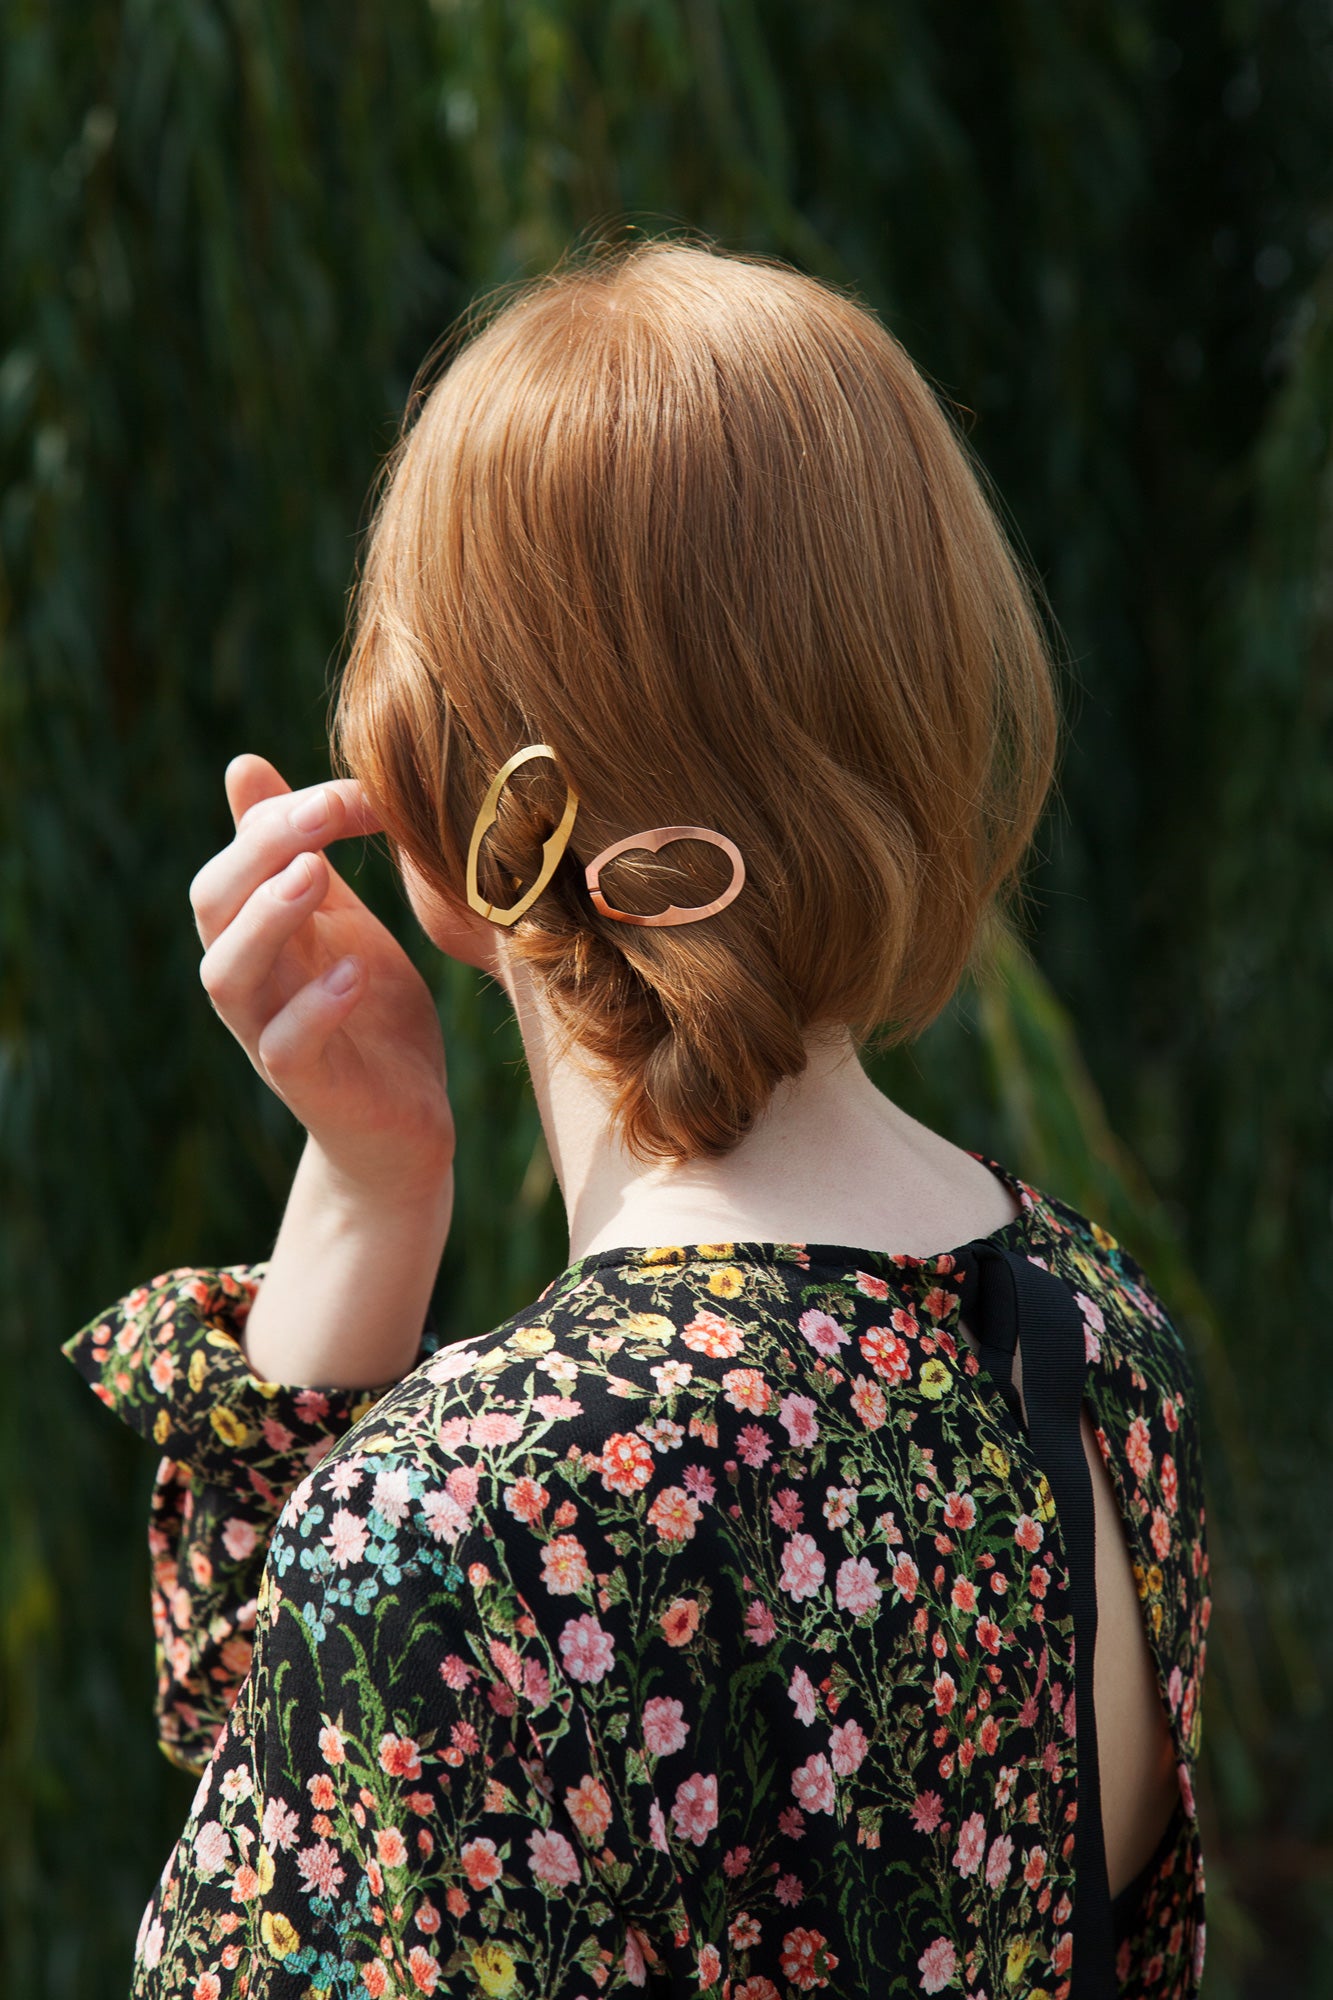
(296, 878)
(311, 812)
(342, 975)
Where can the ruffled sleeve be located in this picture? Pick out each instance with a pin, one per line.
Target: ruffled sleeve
(167, 1360)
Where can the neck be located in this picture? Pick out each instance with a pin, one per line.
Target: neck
(831, 1159)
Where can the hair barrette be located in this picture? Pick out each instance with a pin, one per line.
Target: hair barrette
(653, 839)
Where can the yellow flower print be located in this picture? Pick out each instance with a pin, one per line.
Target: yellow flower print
(995, 1460)
(532, 1339)
(230, 1428)
(1103, 1238)
(1020, 1951)
(162, 1424)
(494, 1969)
(198, 1369)
(279, 1934)
(265, 1870)
(716, 1249)
(1045, 1507)
(1140, 1580)
(935, 1379)
(667, 1253)
(1154, 1581)
(650, 1326)
(727, 1283)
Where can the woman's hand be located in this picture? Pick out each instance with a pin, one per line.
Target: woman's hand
(362, 1068)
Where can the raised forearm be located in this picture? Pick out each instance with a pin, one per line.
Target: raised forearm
(349, 1281)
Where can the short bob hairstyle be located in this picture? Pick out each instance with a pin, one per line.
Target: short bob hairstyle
(696, 521)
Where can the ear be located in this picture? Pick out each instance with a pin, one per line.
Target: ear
(455, 931)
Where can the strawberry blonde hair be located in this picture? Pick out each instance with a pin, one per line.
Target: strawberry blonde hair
(697, 522)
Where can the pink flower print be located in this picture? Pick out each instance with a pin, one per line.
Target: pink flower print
(1138, 1449)
(812, 1783)
(1029, 1534)
(463, 1483)
(1034, 1867)
(802, 1567)
(162, 1371)
(674, 1514)
(963, 1596)
(452, 1432)
(699, 1481)
(319, 1869)
(946, 1693)
(937, 1965)
(664, 1726)
(444, 1517)
(806, 1959)
(709, 1965)
(857, 1587)
(1160, 1534)
(847, 1747)
(960, 1511)
(988, 1634)
(424, 1969)
(789, 1890)
(838, 1504)
(791, 1823)
(906, 1577)
(494, 1427)
(589, 1806)
(481, 1864)
(393, 1494)
(330, 1746)
(694, 1814)
(552, 1859)
(280, 1824)
(787, 1510)
(454, 1672)
(887, 1354)
(526, 1499)
(1170, 1482)
(565, 1569)
(997, 1861)
(390, 1847)
(347, 1537)
(400, 1756)
(212, 1847)
(802, 1693)
(626, 1463)
(735, 1861)
(708, 1333)
(869, 1402)
(871, 1287)
(586, 1650)
(971, 1845)
(798, 1419)
(657, 1832)
(927, 1811)
(754, 1446)
(760, 1624)
(823, 1333)
(239, 1538)
(746, 1389)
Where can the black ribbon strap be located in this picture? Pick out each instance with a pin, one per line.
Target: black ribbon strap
(1005, 1298)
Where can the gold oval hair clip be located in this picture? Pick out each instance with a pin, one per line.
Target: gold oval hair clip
(654, 840)
(552, 847)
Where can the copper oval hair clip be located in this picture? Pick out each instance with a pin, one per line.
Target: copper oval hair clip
(654, 839)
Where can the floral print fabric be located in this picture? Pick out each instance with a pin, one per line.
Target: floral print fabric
(703, 1630)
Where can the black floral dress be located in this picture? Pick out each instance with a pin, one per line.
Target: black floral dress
(707, 1629)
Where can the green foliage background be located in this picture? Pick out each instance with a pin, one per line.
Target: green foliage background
(230, 230)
